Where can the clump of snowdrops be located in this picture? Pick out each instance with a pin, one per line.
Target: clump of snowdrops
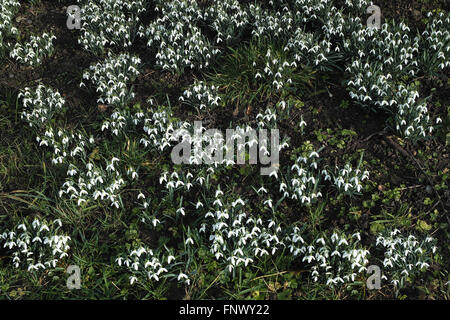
(179, 41)
(335, 259)
(40, 105)
(35, 50)
(110, 23)
(228, 19)
(147, 264)
(237, 238)
(405, 256)
(201, 96)
(384, 59)
(38, 245)
(112, 76)
(348, 180)
(8, 9)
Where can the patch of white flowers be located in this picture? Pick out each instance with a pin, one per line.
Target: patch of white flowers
(228, 18)
(160, 127)
(40, 105)
(35, 50)
(302, 182)
(412, 119)
(111, 77)
(273, 68)
(145, 263)
(93, 182)
(335, 259)
(8, 9)
(237, 238)
(179, 41)
(110, 23)
(85, 180)
(436, 39)
(348, 180)
(36, 246)
(66, 144)
(384, 59)
(308, 50)
(201, 96)
(312, 10)
(267, 23)
(405, 257)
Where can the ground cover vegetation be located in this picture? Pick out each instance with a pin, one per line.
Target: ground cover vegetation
(89, 118)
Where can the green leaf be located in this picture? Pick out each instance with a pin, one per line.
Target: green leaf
(422, 225)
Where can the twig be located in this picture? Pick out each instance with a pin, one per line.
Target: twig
(408, 155)
(379, 133)
(271, 275)
(411, 187)
(212, 283)
(115, 285)
(397, 147)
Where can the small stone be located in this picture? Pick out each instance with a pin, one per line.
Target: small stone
(429, 189)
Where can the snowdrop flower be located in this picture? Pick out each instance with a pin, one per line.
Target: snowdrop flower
(269, 203)
(262, 189)
(141, 196)
(181, 210)
(133, 279)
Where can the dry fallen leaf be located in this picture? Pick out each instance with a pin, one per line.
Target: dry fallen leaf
(236, 112)
(249, 110)
(102, 107)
